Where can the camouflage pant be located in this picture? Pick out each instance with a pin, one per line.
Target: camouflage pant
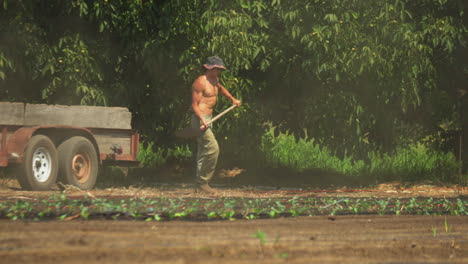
(207, 152)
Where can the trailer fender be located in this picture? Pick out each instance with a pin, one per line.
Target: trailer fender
(19, 140)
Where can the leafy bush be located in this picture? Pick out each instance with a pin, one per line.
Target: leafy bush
(150, 158)
(408, 163)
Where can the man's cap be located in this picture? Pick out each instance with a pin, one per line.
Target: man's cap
(214, 62)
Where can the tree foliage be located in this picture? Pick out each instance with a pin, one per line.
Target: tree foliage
(358, 76)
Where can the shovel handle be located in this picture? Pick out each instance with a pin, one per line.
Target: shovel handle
(218, 116)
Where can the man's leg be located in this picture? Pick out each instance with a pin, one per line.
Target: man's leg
(207, 156)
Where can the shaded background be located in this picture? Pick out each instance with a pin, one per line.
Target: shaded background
(350, 77)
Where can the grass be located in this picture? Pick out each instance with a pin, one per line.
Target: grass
(412, 162)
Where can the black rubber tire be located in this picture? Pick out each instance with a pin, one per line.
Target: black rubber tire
(81, 149)
(43, 147)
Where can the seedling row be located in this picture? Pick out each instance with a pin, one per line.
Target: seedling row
(62, 207)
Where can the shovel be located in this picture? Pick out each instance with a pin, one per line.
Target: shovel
(195, 132)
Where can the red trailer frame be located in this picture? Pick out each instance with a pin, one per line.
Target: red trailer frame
(12, 149)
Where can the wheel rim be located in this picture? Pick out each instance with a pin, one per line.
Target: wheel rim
(81, 165)
(42, 164)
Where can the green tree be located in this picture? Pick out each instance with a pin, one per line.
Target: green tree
(358, 76)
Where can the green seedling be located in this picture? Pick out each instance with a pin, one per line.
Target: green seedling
(434, 231)
(251, 216)
(411, 205)
(157, 217)
(181, 214)
(261, 236)
(283, 255)
(461, 210)
(448, 227)
(212, 215)
(228, 214)
(84, 212)
(273, 212)
(355, 207)
(248, 208)
(62, 217)
(428, 206)
(398, 207)
(382, 206)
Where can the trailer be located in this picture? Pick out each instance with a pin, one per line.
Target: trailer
(68, 144)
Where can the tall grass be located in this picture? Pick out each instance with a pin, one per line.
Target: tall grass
(283, 150)
(412, 162)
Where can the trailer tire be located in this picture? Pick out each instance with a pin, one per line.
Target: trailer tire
(40, 164)
(78, 163)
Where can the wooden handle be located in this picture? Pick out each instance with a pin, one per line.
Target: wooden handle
(218, 116)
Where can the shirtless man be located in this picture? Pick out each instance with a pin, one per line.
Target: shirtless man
(205, 90)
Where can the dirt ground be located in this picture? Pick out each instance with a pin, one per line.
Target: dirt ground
(9, 188)
(318, 239)
(341, 239)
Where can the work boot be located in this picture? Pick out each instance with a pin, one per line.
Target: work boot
(205, 188)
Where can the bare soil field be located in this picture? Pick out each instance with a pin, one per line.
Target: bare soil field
(341, 239)
(313, 239)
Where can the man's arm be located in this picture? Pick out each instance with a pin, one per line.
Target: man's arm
(197, 95)
(228, 95)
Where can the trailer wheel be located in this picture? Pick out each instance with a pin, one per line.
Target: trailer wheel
(78, 163)
(40, 165)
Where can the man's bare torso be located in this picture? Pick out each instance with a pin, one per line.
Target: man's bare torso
(209, 94)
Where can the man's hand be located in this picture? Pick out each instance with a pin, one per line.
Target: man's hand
(236, 102)
(204, 124)
(228, 95)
